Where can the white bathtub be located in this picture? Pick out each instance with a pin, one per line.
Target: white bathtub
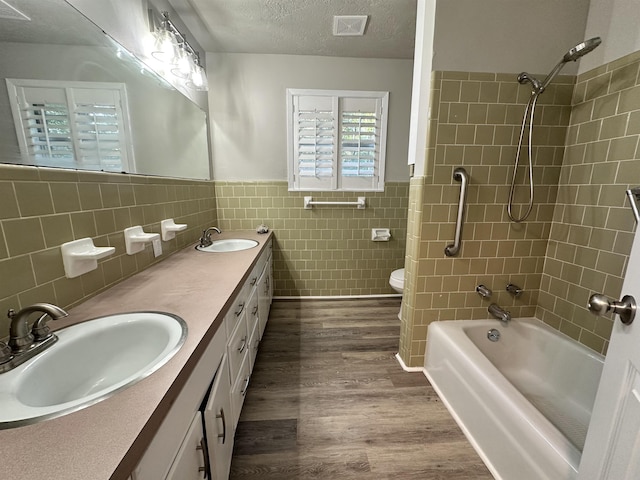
(524, 401)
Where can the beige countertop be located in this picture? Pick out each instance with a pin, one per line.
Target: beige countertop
(106, 440)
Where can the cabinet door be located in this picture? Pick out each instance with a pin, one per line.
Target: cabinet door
(239, 390)
(254, 342)
(218, 420)
(264, 299)
(252, 311)
(191, 463)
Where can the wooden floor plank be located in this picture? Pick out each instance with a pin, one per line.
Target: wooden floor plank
(328, 400)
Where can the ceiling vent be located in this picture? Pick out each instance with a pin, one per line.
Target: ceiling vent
(349, 25)
(11, 13)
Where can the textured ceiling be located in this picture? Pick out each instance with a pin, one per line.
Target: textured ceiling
(304, 27)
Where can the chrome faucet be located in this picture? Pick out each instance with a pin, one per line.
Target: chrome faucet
(499, 313)
(25, 343)
(205, 240)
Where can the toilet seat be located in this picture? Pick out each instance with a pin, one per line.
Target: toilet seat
(396, 280)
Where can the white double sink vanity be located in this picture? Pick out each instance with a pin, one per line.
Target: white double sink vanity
(180, 421)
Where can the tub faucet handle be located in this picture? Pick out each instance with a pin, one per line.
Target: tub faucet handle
(484, 292)
(514, 290)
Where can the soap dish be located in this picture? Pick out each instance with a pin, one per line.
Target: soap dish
(168, 229)
(81, 256)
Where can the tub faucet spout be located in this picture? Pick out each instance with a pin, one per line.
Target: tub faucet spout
(499, 313)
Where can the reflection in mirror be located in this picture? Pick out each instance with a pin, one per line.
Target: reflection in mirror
(71, 98)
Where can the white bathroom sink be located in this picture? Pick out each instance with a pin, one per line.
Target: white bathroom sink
(89, 362)
(229, 245)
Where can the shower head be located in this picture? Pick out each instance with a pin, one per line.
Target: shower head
(571, 56)
(581, 49)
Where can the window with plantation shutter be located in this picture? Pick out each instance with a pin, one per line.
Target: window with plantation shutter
(80, 125)
(336, 140)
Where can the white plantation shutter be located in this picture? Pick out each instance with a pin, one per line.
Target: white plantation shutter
(336, 140)
(315, 142)
(99, 129)
(360, 142)
(45, 126)
(72, 124)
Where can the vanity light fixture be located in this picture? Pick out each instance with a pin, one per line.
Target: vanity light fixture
(173, 50)
(165, 48)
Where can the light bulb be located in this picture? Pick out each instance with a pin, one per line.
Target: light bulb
(166, 47)
(198, 79)
(184, 64)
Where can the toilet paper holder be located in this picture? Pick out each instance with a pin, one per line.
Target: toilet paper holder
(380, 234)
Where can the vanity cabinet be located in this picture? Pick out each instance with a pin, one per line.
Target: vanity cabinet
(214, 393)
(166, 447)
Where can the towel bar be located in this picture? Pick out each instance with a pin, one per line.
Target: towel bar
(309, 203)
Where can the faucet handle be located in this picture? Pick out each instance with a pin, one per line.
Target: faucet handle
(514, 290)
(5, 353)
(40, 329)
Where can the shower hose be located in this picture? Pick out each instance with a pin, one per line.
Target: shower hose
(529, 113)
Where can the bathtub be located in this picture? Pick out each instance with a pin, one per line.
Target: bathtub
(523, 401)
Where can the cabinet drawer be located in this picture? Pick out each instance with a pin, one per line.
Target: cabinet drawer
(237, 348)
(237, 311)
(252, 311)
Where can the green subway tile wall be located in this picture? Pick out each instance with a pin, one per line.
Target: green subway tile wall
(593, 228)
(327, 250)
(42, 208)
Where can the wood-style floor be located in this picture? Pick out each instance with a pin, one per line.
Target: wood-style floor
(328, 400)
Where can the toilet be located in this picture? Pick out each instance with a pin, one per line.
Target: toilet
(396, 280)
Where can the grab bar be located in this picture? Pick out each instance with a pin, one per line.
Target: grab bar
(634, 198)
(459, 174)
(308, 203)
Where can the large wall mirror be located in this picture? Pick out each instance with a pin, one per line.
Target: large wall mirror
(62, 76)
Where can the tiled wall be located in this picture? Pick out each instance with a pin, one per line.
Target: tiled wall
(325, 251)
(475, 123)
(42, 208)
(593, 227)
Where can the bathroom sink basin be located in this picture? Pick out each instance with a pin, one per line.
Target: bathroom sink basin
(229, 245)
(89, 362)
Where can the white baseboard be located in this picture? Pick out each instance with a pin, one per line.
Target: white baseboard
(408, 369)
(339, 297)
